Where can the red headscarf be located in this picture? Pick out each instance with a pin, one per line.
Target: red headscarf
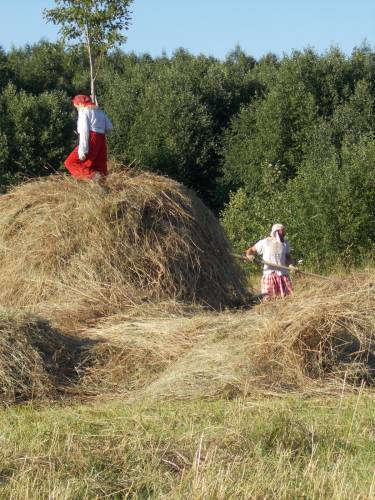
(82, 100)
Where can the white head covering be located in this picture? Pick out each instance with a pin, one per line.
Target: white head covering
(275, 231)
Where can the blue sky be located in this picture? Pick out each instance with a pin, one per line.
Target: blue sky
(215, 27)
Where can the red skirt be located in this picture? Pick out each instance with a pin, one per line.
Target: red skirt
(95, 162)
(273, 285)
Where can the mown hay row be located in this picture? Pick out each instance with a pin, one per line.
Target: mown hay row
(312, 341)
(326, 331)
(318, 338)
(127, 355)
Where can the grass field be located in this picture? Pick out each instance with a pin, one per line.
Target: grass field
(290, 447)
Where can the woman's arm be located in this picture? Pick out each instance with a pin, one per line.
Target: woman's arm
(250, 252)
(83, 129)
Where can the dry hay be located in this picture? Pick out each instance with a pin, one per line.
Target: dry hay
(313, 341)
(35, 359)
(70, 252)
(310, 342)
(328, 331)
(127, 355)
(213, 368)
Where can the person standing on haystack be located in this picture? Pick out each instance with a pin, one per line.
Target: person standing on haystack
(88, 160)
(274, 249)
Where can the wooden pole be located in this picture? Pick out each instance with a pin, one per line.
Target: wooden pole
(285, 268)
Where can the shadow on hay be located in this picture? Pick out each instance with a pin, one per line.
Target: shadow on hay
(344, 351)
(37, 361)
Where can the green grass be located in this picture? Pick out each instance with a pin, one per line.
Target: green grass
(269, 448)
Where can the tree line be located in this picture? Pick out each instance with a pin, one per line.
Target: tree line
(287, 139)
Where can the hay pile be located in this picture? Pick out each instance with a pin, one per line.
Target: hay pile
(324, 332)
(35, 359)
(312, 341)
(317, 339)
(67, 250)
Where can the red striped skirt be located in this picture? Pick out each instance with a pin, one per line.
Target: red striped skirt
(273, 285)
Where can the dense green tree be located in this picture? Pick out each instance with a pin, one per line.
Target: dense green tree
(362, 65)
(135, 91)
(36, 132)
(328, 209)
(248, 216)
(355, 117)
(270, 130)
(5, 69)
(172, 133)
(44, 66)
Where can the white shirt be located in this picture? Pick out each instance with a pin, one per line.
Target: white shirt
(91, 119)
(273, 251)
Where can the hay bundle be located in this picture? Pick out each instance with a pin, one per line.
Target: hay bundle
(35, 359)
(326, 331)
(67, 248)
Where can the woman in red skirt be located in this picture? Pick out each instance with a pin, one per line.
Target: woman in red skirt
(89, 159)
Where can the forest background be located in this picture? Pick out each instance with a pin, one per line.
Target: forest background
(286, 139)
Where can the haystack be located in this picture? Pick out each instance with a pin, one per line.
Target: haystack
(67, 249)
(35, 359)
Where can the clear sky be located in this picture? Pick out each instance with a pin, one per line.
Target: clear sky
(215, 27)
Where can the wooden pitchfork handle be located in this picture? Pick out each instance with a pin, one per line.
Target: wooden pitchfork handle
(284, 268)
